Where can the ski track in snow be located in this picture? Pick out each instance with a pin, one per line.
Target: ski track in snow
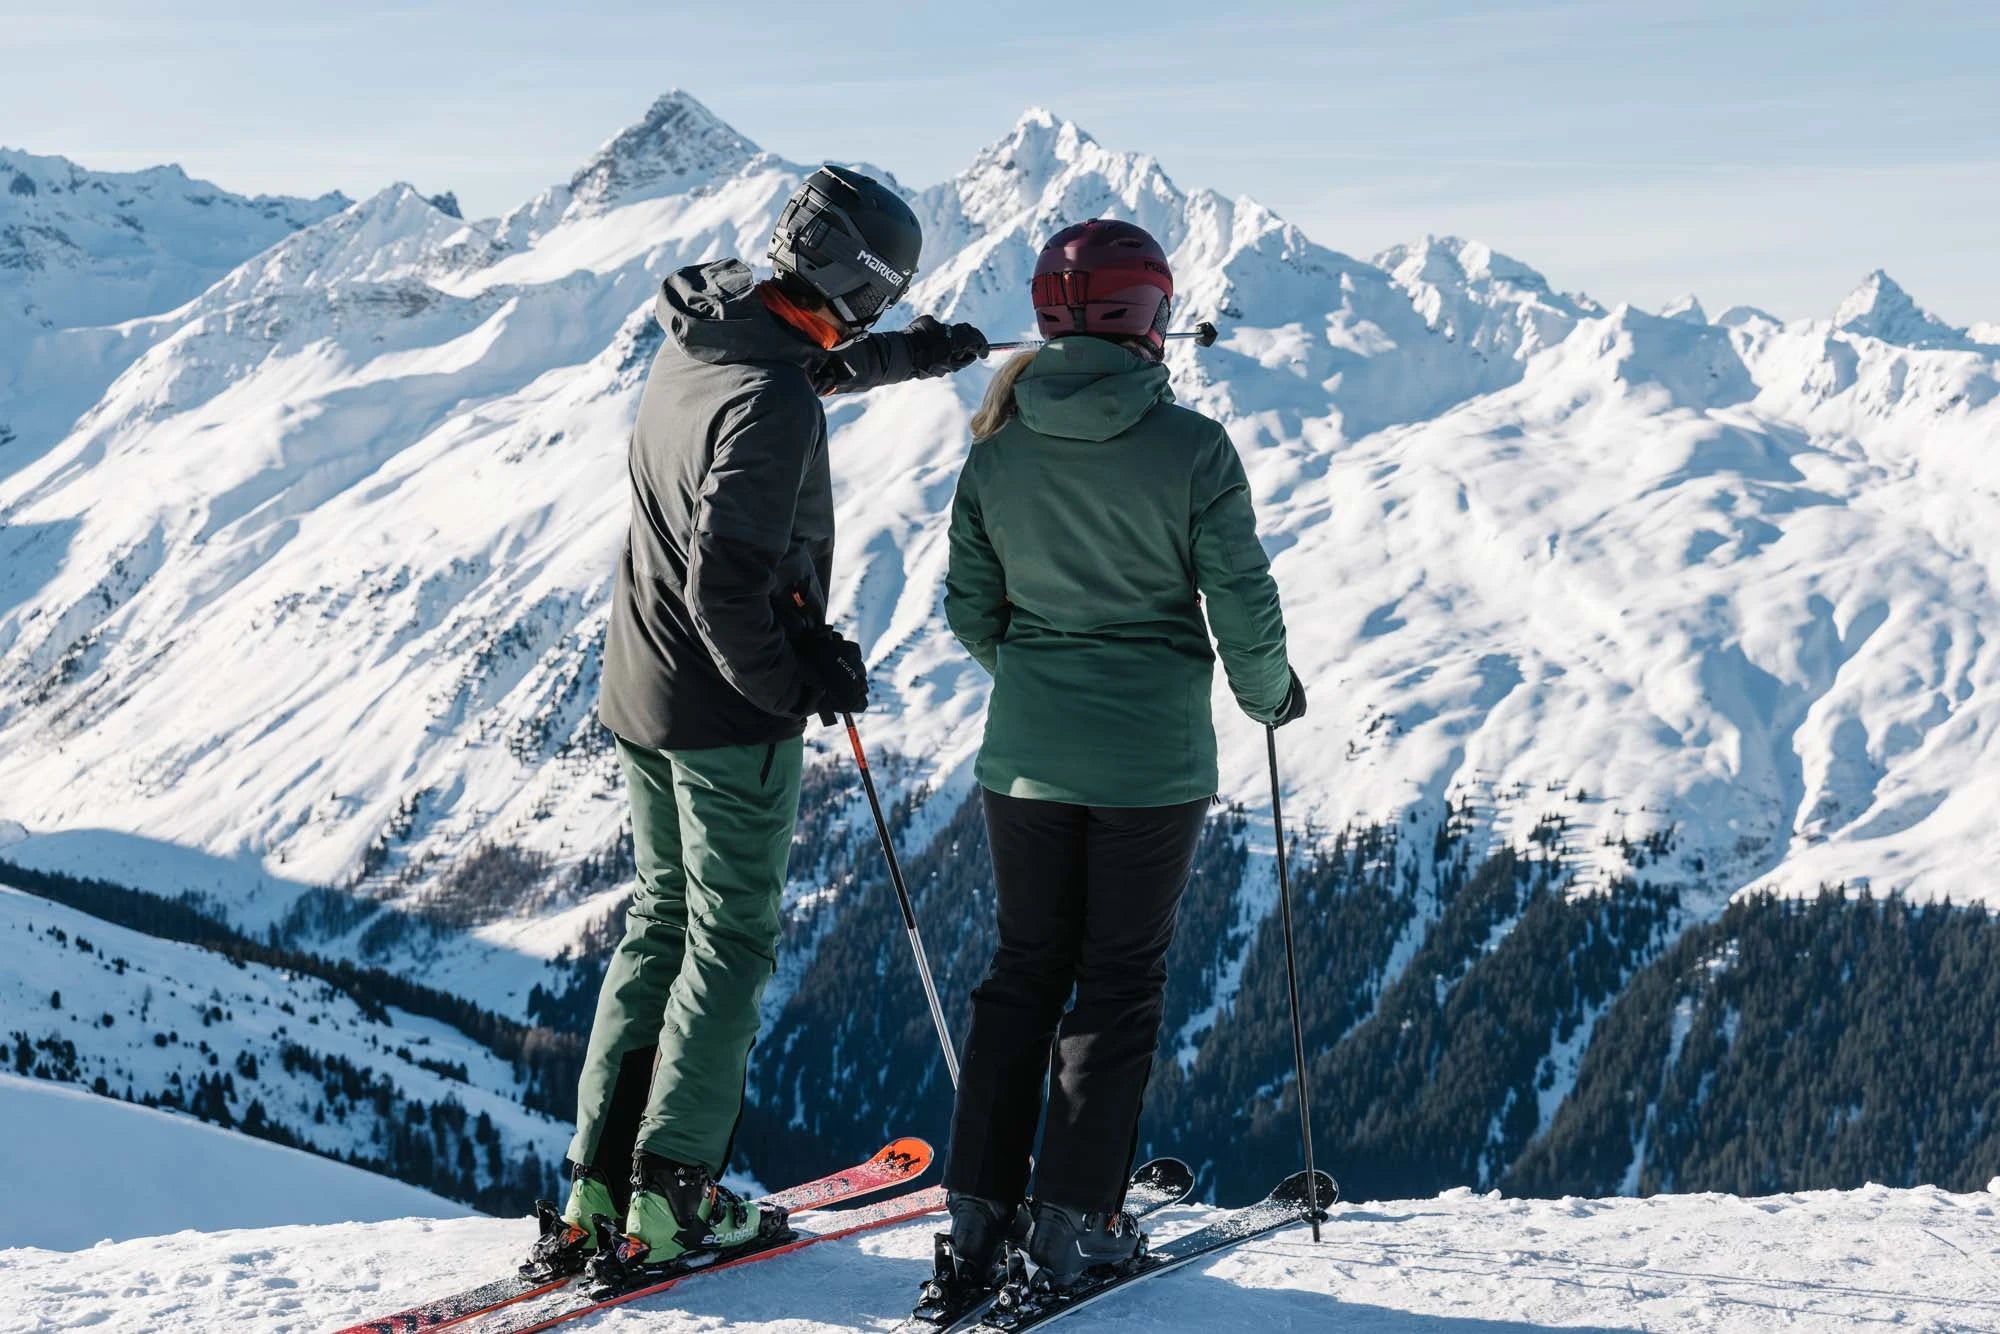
(1459, 1264)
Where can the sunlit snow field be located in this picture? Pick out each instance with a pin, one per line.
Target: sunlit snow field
(1461, 1264)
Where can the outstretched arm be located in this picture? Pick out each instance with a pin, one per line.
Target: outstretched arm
(1234, 576)
(924, 350)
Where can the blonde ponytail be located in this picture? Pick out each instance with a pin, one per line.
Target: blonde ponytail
(998, 407)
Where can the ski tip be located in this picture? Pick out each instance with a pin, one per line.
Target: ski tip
(908, 1157)
(1294, 1190)
(1169, 1176)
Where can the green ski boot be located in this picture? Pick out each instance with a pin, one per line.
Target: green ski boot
(681, 1218)
(568, 1238)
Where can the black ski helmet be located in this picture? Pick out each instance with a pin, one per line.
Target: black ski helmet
(850, 239)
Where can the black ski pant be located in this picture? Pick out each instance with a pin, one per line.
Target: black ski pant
(1088, 897)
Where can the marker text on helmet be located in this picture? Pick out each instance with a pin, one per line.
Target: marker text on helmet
(891, 274)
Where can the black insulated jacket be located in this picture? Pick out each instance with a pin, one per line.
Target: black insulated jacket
(732, 509)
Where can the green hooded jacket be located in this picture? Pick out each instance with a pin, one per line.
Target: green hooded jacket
(1085, 536)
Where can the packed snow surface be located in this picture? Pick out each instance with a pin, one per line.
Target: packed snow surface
(1460, 1264)
(80, 1169)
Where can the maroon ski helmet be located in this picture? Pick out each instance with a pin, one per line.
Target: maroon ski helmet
(1104, 277)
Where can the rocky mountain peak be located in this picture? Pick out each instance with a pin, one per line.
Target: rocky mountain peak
(1453, 261)
(1468, 290)
(395, 234)
(672, 147)
(1687, 309)
(1880, 308)
(1047, 171)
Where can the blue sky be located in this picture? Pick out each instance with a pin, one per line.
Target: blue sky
(1762, 153)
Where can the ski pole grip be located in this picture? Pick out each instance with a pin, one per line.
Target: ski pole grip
(804, 619)
(802, 625)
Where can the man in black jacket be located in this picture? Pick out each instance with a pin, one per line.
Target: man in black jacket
(710, 671)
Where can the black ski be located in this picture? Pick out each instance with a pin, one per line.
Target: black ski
(1154, 1186)
(1024, 1304)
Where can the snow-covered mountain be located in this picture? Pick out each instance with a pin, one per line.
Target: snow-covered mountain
(1879, 308)
(303, 581)
(87, 258)
(1461, 1262)
(81, 248)
(339, 541)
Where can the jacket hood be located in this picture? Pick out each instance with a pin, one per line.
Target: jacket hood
(1084, 388)
(714, 313)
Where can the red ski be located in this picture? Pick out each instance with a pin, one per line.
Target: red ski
(899, 1161)
(884, 1213)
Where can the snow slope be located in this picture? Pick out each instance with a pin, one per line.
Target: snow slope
(87, 256)
(98, 1006)
(1459, 1264)
(315, 590)
(82, 1169)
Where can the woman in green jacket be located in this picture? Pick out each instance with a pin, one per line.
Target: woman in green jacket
(1093, 521)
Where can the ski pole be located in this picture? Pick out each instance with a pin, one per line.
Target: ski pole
(903, 900)
(1292, 981)
(895, 876)
(1203, 334)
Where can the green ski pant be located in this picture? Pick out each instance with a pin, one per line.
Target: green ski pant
(678, 1011)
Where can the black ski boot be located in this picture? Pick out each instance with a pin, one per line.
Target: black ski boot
(1065, 1243)
(967, 1262)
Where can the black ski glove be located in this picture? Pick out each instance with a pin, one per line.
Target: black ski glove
(939, 349)
(1294, 707)
(837, 667)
